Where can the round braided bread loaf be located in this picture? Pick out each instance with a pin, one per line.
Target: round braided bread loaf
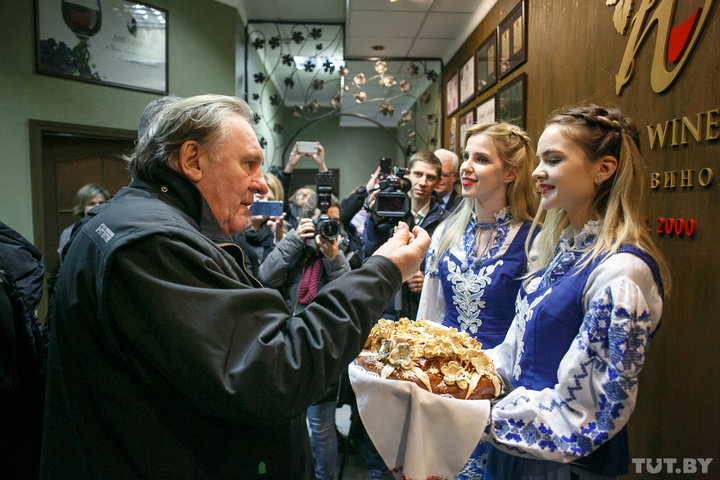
(436, 358)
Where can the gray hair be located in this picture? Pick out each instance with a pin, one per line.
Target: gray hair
(151, 110)
(200, 118)
(444, 154)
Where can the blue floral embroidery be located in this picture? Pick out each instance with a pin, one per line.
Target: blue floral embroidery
(523, 314)
(474, 469)
(607, 332)
(503, 219)
(568, 252)
(468, 290)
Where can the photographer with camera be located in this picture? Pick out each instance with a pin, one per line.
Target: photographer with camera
(309, 256)
(389, 204)
(302, 262)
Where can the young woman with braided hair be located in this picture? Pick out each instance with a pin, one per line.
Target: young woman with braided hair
(586, 311)
(477, 256)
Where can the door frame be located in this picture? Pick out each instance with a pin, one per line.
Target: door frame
(40, 128)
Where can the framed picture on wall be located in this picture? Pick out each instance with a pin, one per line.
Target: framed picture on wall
(510, 102)
(485, 111)
(453, 132)
(114, 42)
(467, 81)
(512, 34)
(466, 121)
(486, 63)
(451, 95)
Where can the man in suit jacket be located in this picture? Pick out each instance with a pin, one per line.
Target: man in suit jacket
(447, 196)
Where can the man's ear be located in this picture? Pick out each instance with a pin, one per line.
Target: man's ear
(606, 168)
(189, 161)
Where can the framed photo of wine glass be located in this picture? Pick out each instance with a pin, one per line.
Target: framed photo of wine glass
(510, 102)
(467, 81)
(512, 34)
(486, 62)
(114, 42)
(451, 95)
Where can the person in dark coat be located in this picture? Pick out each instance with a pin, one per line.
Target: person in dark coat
(423, 172)
(167, 359)
(21, 356)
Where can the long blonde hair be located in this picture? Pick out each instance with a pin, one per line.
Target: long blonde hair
(513, 147)
(601, 132)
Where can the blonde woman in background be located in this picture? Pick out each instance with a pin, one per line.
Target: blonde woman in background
(263, 233)
(477, 256)
(87, 197)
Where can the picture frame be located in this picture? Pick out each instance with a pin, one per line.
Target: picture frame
(485, 111)
(467, 81)
(453, 132)
(451, 94)
(117, 43)
(512, 40)
(466, 121)
(486, 63)
(510, 101)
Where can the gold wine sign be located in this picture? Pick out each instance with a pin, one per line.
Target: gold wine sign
(673, 44)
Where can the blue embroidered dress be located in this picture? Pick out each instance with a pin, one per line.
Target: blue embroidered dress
(573, 355)
(477, 294)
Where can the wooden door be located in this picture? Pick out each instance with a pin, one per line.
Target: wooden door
(63, 159)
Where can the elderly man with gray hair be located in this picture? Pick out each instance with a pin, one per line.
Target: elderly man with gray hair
(447, 195)
(167, 359)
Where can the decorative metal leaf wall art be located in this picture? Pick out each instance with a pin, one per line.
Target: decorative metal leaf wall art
(302, 67)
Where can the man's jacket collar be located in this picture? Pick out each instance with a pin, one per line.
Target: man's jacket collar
(176, 189)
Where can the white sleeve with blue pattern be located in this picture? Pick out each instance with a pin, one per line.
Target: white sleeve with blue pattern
(597, 377)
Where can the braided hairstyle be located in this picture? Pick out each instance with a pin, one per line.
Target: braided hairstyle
(513, 146)
(602, 132)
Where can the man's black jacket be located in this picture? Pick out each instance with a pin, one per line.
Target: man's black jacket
(168, 360)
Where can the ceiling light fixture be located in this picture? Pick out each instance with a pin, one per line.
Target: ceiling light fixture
(378, 48)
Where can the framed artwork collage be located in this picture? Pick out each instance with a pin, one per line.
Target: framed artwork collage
(482, 89)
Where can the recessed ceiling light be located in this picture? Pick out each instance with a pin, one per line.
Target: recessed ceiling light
(377, 48)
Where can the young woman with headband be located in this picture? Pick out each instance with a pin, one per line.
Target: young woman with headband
(586, 311)
(477, 256)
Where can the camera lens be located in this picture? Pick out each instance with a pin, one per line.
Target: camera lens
(330, 229)
(327, 226)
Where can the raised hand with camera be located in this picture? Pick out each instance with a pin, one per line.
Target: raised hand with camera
(315, 150)
(404, 195)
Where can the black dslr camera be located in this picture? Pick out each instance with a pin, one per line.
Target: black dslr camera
(392, 201)
(325, 225)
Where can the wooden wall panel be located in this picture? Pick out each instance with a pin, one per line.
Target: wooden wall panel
(574, 53)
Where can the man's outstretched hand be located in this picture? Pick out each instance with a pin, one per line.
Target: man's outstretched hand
(406, 249)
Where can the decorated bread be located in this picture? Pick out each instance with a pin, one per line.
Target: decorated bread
(439, 359)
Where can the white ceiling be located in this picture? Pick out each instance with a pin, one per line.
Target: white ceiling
(406, 28)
